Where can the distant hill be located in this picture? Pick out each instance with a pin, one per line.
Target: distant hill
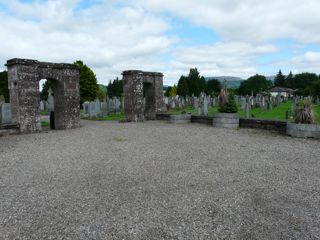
(103, 87)
(233, 82)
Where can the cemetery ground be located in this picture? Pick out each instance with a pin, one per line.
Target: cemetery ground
(154, 180)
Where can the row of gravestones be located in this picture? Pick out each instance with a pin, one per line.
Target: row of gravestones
(101, 109)
(201, 103)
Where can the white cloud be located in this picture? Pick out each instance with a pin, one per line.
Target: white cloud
(306, 62)
(102, 36)
(117, 35)
(232, 59)
(249, 20)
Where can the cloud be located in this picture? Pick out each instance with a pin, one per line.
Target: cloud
(116, 35)
(248, 20)
(232, 59)
(102, 36)
(306, 62)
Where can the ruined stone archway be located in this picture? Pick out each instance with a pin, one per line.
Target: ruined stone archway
(23, 80)
(137, 85)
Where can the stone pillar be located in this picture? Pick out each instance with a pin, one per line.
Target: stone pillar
(23, 83)
(133, 95)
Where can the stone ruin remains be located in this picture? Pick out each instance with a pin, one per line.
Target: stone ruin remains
(23, 80)
(137, 86)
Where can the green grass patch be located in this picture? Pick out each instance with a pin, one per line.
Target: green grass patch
(112, 117)
(316, 109)
(277, 113)
(45, 124)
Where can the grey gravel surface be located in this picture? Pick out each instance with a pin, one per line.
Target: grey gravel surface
(156, 180)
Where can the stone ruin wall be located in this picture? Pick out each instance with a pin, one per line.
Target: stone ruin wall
(136, 85)
(23, 80)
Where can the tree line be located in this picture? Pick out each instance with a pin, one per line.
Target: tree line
(194, 85)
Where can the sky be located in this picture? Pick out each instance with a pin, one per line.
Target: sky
(219, 37)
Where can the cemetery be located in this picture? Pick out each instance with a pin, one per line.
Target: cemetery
(225, 166)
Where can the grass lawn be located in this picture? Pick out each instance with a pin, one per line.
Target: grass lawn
(278, 113)
(112, 117)
(45, 124)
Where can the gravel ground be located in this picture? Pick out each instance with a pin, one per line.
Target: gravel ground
(155, 180)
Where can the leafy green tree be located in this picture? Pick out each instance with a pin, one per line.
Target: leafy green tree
(4, 90)
(167, 93)
(214, 86)
(280, 80)
(182, 88)
(88, 83)
(115, 88)
(45, 88)
(302, 82)
(254, 84)
(315, 88)
(173, 91)
(101, 95)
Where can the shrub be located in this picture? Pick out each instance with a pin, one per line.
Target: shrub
(304, 114)
(227, 102)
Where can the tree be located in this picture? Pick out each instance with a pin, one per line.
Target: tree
(101, 95)
(182, 88)
(214, 86)
(254, 84)
(303, 81)
(115, 88)
(288, 81)
(45, 88)
(315, 88)
(4, 90)
(88, 83)
(280, 80)
(173, 91)
(167, 93)
(194, 82)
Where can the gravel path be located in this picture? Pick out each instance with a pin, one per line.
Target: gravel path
(154, 180)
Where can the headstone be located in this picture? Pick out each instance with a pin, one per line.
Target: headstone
(42, 106)
(104, 108)
(85, 107)
(50, 106)
(205, 106)
(247, 110)
(195, 102)
(6, 113)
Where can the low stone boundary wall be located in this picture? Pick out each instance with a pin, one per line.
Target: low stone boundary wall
(304, 130)
(6, 129)
(273, 125)
(183, 118)
(163, 116)
(201, 119)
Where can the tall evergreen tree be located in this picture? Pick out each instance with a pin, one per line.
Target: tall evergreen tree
(214, 86)
(182, 88)
(88, 83)
(279, 80)
(115, 88)
(4, 90)
(288, 81)
(194, 82)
